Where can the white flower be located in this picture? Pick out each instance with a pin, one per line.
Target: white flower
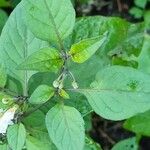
(6, 119)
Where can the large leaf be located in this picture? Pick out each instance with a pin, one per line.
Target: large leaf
(127, 144)
(16, 44)
(53, 19)
(44, 60)
(16, 136)
(83, 50)
(139, 124)
(119, 92)
(66, 127)
(41, 95)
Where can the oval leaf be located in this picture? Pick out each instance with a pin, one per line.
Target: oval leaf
(83, 50)
(53, 19)
(44, 60)
(66, 127)
(16, 136)
(41, 95)
(119, 93)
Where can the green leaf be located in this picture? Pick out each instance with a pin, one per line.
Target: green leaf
(83, 50)
(115, 89)
(136, 12)
(128, 144)
(33, 143)
(53, 19)
(44, 60)
(16, 136)
(3, 77)
(36, 120)
(90, 27)
(16, 44)
(66, 127)
(64, 94)
(139, 124)
(140, 3)
(41, 95)
(3, 18)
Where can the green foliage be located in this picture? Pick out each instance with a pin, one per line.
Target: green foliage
(47, 57)
(128, 144)
(16, 136)
(138, 10)
(44, 60)
(83, 50)
(66, 127)
(112, 95)
(41, 95)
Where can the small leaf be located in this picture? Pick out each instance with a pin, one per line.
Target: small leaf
(16, 136)
(139, 124)
(42, 94)
(83, 50)
(64, 94)
(128, 144)
(117, 90)
(3, 77)
(66, 127)
(44, 60)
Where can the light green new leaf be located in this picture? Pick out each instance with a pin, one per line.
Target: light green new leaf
(3, 77)
(16, 136)
(127, 144)
(66, 127)
(119, 92)
(83, 50)
(44, 60)
(139, 124)
(50, 20)
(16, 44)
(41, 95)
